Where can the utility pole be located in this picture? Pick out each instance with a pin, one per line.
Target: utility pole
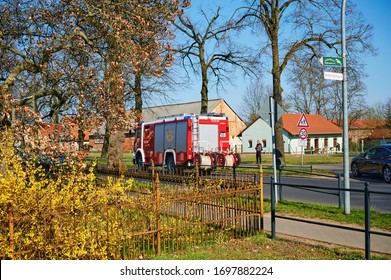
(346, 179)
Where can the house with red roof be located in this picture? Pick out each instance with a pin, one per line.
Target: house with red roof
(380, 136)
(68, 134)
(363, 130)
(323, 136)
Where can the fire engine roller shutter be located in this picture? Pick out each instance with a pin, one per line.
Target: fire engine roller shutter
(209, 137)
(159, 136)
(169, 135)
(181, 137)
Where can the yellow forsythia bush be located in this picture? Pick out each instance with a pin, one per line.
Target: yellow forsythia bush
(60, 213)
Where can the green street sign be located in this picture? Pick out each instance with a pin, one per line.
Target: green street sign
(331, 61)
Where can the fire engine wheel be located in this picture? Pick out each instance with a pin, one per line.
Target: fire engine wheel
(197, 160)
(221, 160)
(170, 163)
(214, 157)
(237, 159)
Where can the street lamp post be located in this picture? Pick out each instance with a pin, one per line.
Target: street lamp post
(346, 179)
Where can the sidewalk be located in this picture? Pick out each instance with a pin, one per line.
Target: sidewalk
(381, 244)
(334, 168)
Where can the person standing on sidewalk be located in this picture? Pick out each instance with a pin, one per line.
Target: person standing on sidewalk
(258, 152)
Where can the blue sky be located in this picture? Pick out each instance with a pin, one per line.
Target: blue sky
(378, 68)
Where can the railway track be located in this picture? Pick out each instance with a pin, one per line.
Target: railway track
(227, 177)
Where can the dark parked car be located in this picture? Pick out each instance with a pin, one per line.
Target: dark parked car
(376, 160)
(45, 161)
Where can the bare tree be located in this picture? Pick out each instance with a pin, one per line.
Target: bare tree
(380, 111)
(312, 94)
(256, 94)
(309, 90)
(311, 23)
(143, 90)
(36, 66)
(388, 112)
(69, 57)
(210, 51)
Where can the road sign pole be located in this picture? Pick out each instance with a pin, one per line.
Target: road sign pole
(346, 178)
(303, 134)
(272, 118)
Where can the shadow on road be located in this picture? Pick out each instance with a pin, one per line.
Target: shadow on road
(370, 178)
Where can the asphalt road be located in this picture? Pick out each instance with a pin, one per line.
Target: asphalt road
(378, 202)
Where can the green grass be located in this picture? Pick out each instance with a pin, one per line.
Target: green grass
(266, 158)
(330, 213)
(323, 212)
(262, 247)
(96, 155)
(297, 159)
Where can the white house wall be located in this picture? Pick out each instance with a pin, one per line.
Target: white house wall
(292, 144)
(260, 130)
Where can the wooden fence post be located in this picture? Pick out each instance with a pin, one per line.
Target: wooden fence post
(12, 234)
(197, 176)
(261, 194)
(157, 193)
(153, 175)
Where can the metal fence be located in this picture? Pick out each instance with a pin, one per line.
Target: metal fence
(186, 216)
(160, 218)
(153, 219)
(338, 191)
(366, 191)
(340, 194)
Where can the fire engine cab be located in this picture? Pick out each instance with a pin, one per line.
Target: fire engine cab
(182, 141)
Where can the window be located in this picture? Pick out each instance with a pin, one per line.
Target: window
(250, 143)
(381, 152)
(264, 143)
(372, 152)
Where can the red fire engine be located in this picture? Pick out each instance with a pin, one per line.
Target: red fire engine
(184, 141)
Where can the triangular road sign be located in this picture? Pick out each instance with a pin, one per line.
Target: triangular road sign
(303, 121)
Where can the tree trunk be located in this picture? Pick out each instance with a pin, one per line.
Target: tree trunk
(277, 92)
(115, 158)
(204, 90)
(106, 141)
(138, 97)
(80, 138)
(113, 76)
(278, 128)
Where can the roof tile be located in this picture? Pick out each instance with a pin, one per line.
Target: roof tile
(363, 124)
(381, 133)
(317, 124)
(152, 113)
